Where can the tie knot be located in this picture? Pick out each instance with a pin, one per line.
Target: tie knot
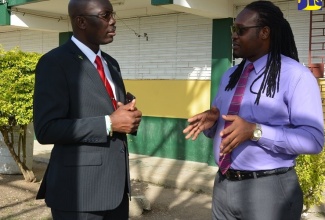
(98, 61)
(247, 70)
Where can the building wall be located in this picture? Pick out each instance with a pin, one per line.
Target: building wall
(29, 40)
(166, 63)
(169, 73)
(177, 46)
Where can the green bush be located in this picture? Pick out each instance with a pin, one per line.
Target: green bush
(311, 173)
(17, 76)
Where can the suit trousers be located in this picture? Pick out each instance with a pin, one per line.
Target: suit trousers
(275, 197)
(120, 213)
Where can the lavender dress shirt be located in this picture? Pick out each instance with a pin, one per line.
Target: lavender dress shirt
(291, 121)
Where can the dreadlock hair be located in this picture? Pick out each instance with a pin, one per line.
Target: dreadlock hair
(281, 42)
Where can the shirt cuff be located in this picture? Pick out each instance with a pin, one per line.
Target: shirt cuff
(268, 137)
(108, 122)
(210, 132)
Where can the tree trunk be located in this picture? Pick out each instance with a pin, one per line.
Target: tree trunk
(8, 136)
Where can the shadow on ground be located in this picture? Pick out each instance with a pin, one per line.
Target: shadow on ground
(17, 201)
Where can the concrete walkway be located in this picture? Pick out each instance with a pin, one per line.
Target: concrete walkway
(193, 176)
(187, 175)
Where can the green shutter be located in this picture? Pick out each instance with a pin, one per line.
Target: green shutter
(21, 2)
(4, 14)
(64, 37)
(221, 51)
(161, 2)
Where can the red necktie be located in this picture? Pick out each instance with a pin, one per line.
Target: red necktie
(108, 87)
(225, 160)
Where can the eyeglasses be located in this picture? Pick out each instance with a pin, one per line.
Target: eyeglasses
(240, 31)
(107, 16)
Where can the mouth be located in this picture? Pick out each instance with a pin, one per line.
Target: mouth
(112, 30)
(235, 46)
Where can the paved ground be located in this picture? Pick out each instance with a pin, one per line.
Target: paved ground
(17, 200)
(169, 185)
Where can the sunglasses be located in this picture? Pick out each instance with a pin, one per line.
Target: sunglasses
(240, 31)
(107, 16)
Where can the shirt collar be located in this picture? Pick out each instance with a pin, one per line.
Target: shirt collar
(259, 65)
(86, 50)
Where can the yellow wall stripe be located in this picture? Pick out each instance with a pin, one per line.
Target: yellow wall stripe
(170, 98)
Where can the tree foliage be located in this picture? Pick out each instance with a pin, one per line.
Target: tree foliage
(17, 75)
(311, 172)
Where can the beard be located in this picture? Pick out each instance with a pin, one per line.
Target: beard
(235, 56)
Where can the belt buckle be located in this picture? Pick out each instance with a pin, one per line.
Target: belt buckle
(238, 175)
(227, 175)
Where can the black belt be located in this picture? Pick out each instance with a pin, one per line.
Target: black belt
(236, 175)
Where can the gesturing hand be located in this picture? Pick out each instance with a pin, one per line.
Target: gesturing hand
(201, 122)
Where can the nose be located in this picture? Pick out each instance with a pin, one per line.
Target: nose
(112, 20)
(234, 35)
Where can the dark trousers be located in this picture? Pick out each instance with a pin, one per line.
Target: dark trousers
(120, 213)
(275, 197)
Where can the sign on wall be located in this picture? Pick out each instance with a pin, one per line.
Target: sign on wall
(310, 5)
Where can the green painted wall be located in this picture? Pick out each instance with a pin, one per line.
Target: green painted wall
(162, 2)
(4, 15)
(221, 51)
(64, 37)
(21, 2)
(163, 137)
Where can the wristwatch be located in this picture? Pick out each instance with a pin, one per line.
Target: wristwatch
(257, 133)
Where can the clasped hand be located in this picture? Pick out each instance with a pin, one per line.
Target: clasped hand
(126, 118)
(236, 133)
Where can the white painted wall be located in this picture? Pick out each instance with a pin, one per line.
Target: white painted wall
(29, 41)
(178, 46)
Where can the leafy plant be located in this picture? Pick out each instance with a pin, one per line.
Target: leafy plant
(17, 75)
(311, 173)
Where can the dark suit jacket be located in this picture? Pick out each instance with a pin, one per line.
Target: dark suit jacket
(87, 170)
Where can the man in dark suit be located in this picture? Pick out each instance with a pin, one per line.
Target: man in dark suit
(88, 175)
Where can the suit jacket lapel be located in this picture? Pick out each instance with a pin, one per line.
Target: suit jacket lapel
(118, 82)
(89, 68)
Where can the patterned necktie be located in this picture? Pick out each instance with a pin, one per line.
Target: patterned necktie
(108, 87)
(225, 160)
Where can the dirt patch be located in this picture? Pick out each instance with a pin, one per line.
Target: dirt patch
(17, 197)
(17, 200)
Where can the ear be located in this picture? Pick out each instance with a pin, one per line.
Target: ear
(265, 33)
(81, 22)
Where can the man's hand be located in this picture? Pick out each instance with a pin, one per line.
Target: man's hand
(236, 133)
(126, 118)
(201, 122)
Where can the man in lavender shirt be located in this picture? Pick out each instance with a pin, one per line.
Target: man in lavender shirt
(280, 117)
